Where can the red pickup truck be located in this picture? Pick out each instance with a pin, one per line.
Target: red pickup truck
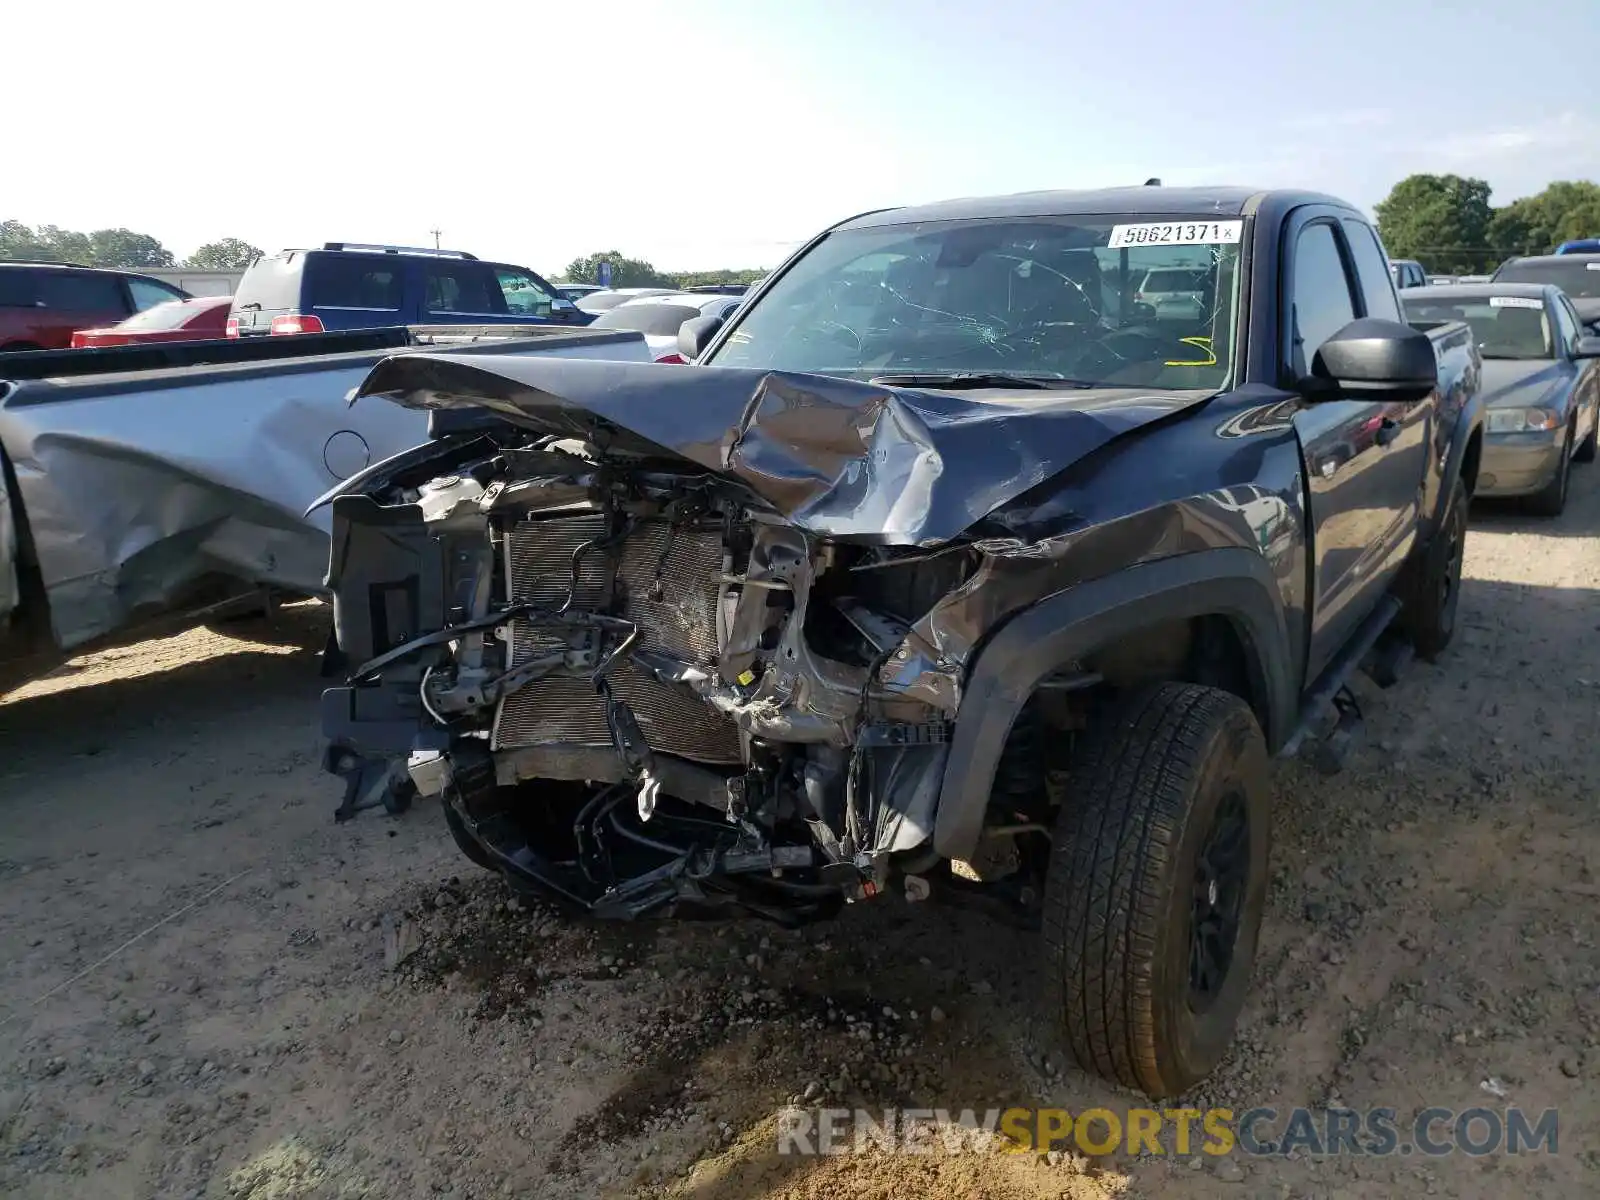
(43, 304)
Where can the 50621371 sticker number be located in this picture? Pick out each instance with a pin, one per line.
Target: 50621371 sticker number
(1176, 233)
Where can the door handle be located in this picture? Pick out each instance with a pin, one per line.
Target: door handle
(1387, 431)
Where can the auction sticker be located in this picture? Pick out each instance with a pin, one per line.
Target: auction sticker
(1176, 233)
(1516, 302)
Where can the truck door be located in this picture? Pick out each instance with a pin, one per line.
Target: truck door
(1364, 460)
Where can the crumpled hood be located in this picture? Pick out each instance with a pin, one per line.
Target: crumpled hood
(836, 457)
(1519, 383)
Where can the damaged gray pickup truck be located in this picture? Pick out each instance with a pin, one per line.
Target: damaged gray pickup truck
(988, 553)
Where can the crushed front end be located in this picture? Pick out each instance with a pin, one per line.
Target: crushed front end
(632, 684)
(691, 637)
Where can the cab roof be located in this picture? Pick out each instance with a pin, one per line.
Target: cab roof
(1474, 291)
(1149, 201)
(1522, 259)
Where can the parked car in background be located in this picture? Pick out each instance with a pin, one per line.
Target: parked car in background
(1407, 273)
(577, 291)
(1578, 275)
(660, 317)
(350, 285)
(1174, 292)
(43, 304)
(609, 298)
(1580, 246)
(191, 320)
(1541, 383)
(719, 289)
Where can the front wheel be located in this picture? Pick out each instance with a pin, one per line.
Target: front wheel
(1552, 501)
(1586, 450)
(1156, 886)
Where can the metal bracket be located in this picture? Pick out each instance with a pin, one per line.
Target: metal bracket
(931, 733)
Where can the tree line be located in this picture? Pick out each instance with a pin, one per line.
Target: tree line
(636, 272)
(128, 248)
(1447, 223)
(115, 248)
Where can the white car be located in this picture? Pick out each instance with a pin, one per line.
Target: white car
(659, 317)
(606, 299)
(1174, 292)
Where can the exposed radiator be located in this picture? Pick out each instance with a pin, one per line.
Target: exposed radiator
(667, 582)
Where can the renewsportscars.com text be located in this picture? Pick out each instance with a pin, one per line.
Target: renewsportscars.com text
(1378, 1132)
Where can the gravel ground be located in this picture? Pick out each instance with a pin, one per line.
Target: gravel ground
(209, 989)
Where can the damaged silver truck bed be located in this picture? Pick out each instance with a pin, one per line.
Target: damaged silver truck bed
(153, 481)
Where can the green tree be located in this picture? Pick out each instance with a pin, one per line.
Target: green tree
(1537, 224)
(225, 254)
(725, 275)
(48, 243)
(625, 272)
(17, 242)
(125, 248)
(1442, 221)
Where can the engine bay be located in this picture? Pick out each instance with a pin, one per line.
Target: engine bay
(647, 688)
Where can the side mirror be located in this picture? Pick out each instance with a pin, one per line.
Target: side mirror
(1588, 347)
(1372, 358)
(695, 335)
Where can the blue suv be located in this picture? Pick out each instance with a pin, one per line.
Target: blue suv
(349, 285)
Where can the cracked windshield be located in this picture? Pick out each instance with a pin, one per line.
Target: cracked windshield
(1098, 304)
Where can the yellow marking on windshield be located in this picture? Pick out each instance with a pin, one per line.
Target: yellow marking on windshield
(1202, 344)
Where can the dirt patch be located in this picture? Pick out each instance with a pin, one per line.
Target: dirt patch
(207, 988)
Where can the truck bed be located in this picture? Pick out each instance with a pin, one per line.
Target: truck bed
(139, 477)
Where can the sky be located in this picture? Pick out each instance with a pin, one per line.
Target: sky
(720, 133)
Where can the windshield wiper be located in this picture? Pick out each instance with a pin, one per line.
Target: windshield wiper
(976, 379)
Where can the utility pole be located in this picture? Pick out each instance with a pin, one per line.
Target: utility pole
(436, 233)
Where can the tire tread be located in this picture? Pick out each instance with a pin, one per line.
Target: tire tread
(1122, 824)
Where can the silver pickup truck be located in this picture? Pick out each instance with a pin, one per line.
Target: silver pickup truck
(160, 481)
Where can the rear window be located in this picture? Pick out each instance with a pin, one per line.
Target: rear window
(80, 293)
(1575, 276)
(659, 320)
(1175, 281)
(341, 280)
(273, 283)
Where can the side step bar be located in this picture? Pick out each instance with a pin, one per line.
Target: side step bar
(1335, 675)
